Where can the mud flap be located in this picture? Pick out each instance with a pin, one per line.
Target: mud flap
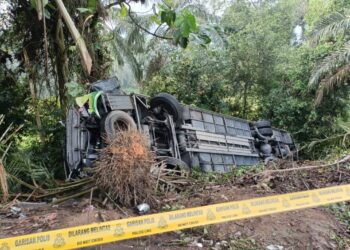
(73, 140)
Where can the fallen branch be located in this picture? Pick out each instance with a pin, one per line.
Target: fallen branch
(11, 203)
(337, 163)
(56, 201)
(22, 182)
(113, 201)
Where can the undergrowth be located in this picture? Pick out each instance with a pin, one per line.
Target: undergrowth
(342, 212)
(221, 178)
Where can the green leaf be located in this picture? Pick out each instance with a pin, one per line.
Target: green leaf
(183, 42)
(155, 19)
(186, 23)
(33, 3)
(74, 90)
(51, 6)
(163, 16)
(47, 14)
(84, 10)
(206, 39)
(72, 48)
(168, 17)
(168, 2)
(123, 10)
(92, 5)
(176, 37)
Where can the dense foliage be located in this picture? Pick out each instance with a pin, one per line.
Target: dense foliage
(263, 69)
(252, 59)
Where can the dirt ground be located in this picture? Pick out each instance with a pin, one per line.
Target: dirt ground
(316, 228)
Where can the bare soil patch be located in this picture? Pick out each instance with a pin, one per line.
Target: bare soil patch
(303, 229)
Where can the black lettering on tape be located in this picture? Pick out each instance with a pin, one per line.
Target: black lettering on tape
(227, 208)
(299, 196)
(331, 191)
(145, 231)
(270, 209)
(32, 240)
(263, 202)
(97, 240)
(181, 215)
(79, 232)
(188, 223)
(139, 222)
(25, 241)
(334, 198)
(98, 229)
(230, 216)
(43, 238)
(83, 242)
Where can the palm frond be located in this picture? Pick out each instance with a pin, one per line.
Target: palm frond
(328, 83)
(136, 40)
(118, 55)
(331, 26)
(129, 55)
(129, 40)
(22, 166)
(329, 64)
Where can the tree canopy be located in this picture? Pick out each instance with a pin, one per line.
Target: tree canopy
(287, 61)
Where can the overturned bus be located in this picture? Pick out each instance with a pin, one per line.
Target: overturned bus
(181, 135)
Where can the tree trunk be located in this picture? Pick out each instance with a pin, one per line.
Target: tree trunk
(245, 100)
(61, 62)
(36, 109)
(84, 53)
(33, 96)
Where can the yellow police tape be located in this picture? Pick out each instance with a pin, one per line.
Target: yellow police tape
(100, 233)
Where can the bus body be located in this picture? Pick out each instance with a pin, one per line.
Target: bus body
(179, 134)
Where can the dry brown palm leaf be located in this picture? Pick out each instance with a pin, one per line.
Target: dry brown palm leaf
(124, 169)
(169, 179)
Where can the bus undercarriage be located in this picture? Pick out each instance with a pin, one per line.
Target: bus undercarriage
(180, 135)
